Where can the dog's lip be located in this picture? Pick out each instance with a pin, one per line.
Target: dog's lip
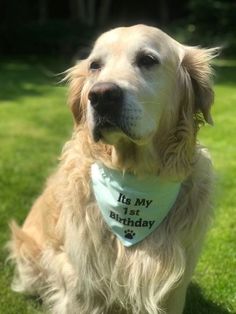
(99, 132)
(103, 127)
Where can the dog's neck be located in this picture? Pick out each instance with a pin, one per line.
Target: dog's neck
(136, 159)
(172, 157)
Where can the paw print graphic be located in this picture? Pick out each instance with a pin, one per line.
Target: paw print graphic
(129, 234)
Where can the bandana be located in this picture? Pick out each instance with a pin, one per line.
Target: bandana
(132, 207)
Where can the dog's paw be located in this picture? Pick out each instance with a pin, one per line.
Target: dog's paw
(129, 234)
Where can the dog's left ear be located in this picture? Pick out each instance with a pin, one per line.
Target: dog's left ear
(196, 62)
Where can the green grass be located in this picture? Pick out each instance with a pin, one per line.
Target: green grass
(35, 123)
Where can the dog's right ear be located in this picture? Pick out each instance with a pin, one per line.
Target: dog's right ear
(76, 77)
(196, 64)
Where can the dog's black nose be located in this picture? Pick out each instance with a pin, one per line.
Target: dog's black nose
(106, 98)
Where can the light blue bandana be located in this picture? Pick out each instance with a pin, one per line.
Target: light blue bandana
(132, 207)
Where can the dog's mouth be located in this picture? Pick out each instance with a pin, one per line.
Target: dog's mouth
(104, 127)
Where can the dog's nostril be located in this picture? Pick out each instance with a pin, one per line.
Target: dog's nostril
(93, 97)
(103, 96)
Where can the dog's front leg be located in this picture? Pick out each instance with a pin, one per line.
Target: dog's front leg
(60, 288)
(176, 301)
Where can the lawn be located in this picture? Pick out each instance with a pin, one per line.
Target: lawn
(34, 124)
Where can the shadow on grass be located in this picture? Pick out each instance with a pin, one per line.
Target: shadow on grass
(225, 72)
(28, 77)
(197, 303)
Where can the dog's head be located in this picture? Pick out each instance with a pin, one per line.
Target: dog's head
(142, 87)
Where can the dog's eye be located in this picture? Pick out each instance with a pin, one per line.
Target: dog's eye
(95, 65)
(146, 60)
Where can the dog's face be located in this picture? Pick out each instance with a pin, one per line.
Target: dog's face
(139, 82)
(131, 72)
(129, 83)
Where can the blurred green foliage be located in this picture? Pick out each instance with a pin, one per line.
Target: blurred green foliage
(213, 22)
(46, 27)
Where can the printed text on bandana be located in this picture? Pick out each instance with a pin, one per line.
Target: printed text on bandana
(130, 213)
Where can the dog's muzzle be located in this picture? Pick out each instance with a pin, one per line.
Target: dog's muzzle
(106, 100)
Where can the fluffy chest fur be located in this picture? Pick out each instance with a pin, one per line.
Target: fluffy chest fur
(150, 270)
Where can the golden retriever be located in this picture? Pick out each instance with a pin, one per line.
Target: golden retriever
(138, 102)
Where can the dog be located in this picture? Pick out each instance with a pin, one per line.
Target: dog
(120, 224)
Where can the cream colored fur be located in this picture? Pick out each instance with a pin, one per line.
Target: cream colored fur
(64, 251)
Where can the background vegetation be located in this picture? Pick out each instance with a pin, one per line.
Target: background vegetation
(42, 37)
(63, 27)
